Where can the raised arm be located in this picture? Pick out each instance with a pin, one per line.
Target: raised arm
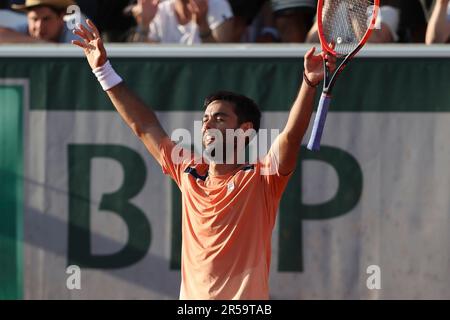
(290, 139)
(139, 117)
(438, 30)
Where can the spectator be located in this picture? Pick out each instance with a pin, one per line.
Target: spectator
(438, 30)
(183, 21)
(387, 24)
(45, 23)
(9, 18)
(293, 18)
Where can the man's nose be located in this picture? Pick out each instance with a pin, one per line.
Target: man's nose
(207, 124)
(38, 25)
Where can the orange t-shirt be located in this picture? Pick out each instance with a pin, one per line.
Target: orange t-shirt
(227, 224)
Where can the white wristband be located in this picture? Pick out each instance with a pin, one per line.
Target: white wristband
(107, 77)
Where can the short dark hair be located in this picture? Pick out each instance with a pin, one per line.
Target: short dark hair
(245, 108)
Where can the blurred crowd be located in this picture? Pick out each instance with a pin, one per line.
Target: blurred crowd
(210, 21)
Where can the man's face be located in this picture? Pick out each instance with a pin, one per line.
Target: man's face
(218, 115)
(45, 24)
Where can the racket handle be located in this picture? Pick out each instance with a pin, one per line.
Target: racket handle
(319, 122)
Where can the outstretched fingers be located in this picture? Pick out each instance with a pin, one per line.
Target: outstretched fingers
(312, 56)
(89, 36)
(82, 45)
(95, 31)
(81, 34)
(85, 45)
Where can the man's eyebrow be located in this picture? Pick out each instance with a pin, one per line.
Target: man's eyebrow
(217, 114)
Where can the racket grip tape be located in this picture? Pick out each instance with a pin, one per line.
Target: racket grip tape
(319, 122)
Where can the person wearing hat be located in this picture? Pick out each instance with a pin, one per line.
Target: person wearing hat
(45, 23)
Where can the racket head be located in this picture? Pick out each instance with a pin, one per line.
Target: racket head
(344, 26)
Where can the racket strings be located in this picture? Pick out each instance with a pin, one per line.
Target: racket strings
(345, 22)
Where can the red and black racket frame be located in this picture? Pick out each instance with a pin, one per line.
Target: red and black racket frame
(328, 84)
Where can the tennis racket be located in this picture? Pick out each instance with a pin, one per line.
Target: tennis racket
(344, 27)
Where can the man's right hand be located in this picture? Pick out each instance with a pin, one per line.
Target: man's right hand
(92, 44)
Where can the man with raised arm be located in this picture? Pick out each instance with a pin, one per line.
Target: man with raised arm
(229, 208)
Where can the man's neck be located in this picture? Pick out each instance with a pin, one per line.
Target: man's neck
(220, 169)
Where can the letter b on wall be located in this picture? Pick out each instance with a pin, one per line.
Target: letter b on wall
(118, 202)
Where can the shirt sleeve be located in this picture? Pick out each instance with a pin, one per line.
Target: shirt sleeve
(174, 159)
(275, 182)
(218, 12)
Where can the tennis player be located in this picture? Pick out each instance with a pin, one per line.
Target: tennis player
(229, 209)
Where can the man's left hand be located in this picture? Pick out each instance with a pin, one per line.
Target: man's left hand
(314, 67)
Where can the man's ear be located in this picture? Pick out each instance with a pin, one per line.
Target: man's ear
(246, 125)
